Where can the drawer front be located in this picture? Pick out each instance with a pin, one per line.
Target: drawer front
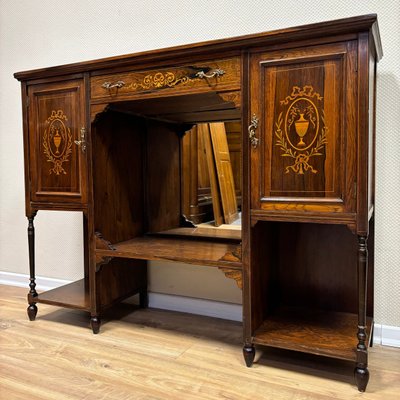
(216, 75)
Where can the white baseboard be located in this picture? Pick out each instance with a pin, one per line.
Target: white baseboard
(209, 308)
(383, 334)
(387, 335)
(22, 280)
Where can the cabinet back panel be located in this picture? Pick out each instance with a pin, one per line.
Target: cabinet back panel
(317, 266)
(304, 265)
(117, 176)
(162, 173)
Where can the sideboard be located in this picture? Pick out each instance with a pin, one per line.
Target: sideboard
(105, 137)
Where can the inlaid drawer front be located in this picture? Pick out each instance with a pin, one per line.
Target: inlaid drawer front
(198, 77)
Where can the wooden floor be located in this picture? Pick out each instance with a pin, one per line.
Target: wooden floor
(153, 354)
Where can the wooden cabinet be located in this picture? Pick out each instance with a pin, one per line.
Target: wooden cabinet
(110, 138)
(56, 133)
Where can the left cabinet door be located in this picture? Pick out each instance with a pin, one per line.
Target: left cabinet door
(57, 143)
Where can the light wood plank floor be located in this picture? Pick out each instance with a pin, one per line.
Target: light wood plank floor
(153, 354)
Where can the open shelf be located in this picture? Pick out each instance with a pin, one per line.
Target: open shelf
(332, 334)
(202, 251)
(73, 295)
(205, 231)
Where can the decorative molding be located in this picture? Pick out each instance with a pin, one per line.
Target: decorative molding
(233, 97)
(385, 335)
(97, 110)
(235, 274)
(102, 244)
(235, 255)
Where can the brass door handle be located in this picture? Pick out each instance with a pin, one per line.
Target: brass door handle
(109, 85)
(252, 131)
(212, 74)
(82, 143)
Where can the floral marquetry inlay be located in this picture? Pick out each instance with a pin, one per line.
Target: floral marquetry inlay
(159, 80)
(300, 129)
(57, 141)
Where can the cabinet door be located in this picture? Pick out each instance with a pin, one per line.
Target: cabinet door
(57, 157)
(305, 102)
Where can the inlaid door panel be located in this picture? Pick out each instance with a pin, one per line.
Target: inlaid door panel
(301, 103)
(57, 146)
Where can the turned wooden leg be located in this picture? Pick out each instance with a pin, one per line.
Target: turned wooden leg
(249, 353)
(32, 308)
(32, 311)
(361, 372)
(143, 299)
(95, 323)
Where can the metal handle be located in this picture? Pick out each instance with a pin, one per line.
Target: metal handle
(82, 142)
(109, 85)
(252, 131)
(212, 74)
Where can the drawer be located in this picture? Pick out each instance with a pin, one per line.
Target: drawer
(215, 75)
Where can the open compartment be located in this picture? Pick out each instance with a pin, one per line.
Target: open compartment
(157, 174)
(304, 288)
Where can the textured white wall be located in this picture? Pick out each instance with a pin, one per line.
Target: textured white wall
(45, 33)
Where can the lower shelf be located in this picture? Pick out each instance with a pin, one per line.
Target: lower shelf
(332, 334)
(73, 295)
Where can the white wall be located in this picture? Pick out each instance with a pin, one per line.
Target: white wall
(44, 33)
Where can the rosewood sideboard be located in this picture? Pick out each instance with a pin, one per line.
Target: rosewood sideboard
(104, 137)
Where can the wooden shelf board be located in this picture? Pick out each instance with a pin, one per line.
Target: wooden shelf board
(188, 250)
(332, 334)
(72, 295)
(205, 232)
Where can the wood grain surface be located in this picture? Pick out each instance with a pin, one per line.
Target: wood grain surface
(202, 252)
(161, 355)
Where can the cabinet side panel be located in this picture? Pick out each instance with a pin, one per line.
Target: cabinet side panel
(263, 272)
(371, 131)
(120, 279)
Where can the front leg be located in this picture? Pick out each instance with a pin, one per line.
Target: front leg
(249, 353)
(32, 308)
(361, 372)
(95, 323)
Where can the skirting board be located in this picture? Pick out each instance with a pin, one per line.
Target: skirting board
(383, 334)
(209, 308)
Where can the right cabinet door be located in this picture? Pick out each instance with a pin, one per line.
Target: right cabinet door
(304, 120)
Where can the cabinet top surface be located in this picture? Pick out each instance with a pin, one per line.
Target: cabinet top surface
(218, 47)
